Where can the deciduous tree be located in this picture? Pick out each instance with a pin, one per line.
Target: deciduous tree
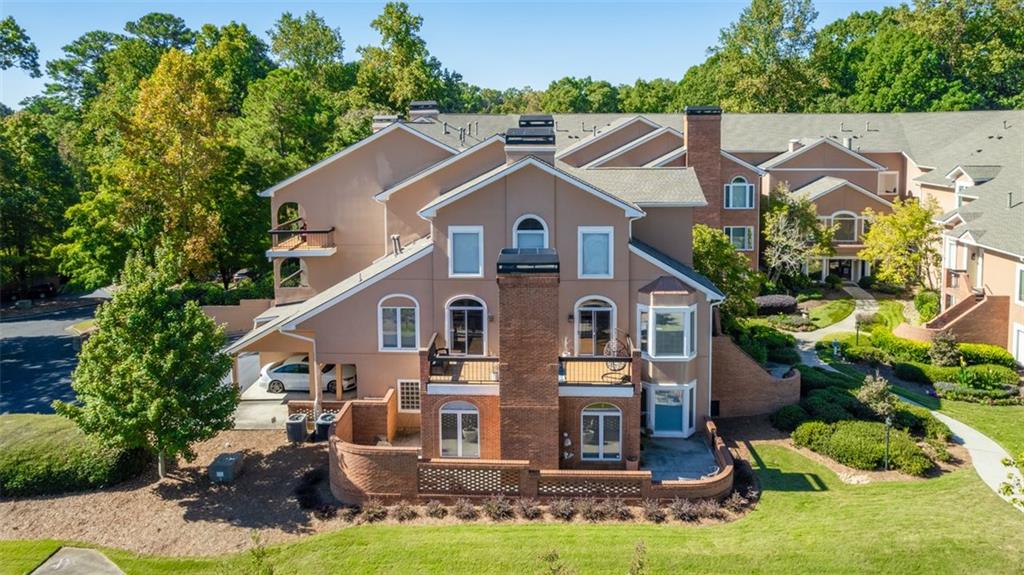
(17, 49)
(152, 375)
(904, 244)
(716, 257)
(792, 234)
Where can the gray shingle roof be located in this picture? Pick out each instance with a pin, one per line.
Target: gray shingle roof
(686, 271)
(935, 178)
(379, 268)
(644, 186)
(981, 173)
(990, 219)
(819, 187)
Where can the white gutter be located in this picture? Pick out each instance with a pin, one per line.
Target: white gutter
(711, 330)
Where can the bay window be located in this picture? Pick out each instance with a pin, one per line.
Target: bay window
(671, 332)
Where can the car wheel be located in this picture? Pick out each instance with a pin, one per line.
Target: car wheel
(332, 386)
(275, 387)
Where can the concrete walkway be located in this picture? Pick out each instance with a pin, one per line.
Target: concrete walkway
(863, 301)
(77, 561)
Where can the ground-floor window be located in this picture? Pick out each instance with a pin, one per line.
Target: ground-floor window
(409, 395)
(601, 432)
(460, 430)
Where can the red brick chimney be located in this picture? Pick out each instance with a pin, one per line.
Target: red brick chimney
(702, 136)
(528, 355)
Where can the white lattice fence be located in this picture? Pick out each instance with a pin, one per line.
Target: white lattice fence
(466, 480)
(589, 486)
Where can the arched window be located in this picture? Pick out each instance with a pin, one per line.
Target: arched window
(398, 318)
(846, 226)
(530, 231)
(467, 326)
(739, 194)
(460, 430)
(595, 324)
(289, 215)
(601, 432)
(293, 273)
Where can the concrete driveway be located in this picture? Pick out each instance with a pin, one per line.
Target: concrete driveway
(36, 360)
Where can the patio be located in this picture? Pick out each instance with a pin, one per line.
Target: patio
(675, 459)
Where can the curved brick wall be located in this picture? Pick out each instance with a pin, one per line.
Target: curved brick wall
(359, 472)
(743, 388)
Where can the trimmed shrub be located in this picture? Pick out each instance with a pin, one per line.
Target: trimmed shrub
(775, 304)
(866, 282)
(983, 353)
(618, 510)
(709, 509)
(944, 352)
(402, 512)
(436, 509)
(809, 294)
(813, 435)
(652, 510)
(789, 417)
(735, 502)
(591, 509)
(786, 355)
(927, 305)
(981, 376)
(48, 454)
(812, 378)
(683, 510)
(528, 508)
(763, 342)
(563, 509)
(866, 354)
(847, 400)
(464, 510)
(822, 407)
(833, 281)
(920, 421)
(498, 508)
(955, 391)
(899, 348)
(373, 511)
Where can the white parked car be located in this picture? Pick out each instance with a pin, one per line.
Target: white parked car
(292, 374)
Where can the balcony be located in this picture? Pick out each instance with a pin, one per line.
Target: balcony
(596, 370)
(293, 239)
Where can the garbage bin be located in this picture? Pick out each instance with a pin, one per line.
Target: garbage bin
(323, 426)
(296, 427)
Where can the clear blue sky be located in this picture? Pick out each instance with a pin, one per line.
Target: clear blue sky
(491, 44)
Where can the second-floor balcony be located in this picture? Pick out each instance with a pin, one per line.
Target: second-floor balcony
(595, 370)
(295, 238)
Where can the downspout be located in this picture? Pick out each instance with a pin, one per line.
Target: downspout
(711, 330)
(314, 371)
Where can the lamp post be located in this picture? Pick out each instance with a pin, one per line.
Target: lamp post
(888, 426)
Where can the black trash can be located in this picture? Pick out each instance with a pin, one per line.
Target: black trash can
(296, 427)
(323, 425)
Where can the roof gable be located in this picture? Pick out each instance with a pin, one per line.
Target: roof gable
(779, 161)
(493, 140)
(827, 184)
(648, 137)
(621, 124)
(485, 179)
(269, 192)
(678, 269)
(742, 163)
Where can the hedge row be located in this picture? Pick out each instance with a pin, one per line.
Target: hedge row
(812, 378)
(984, 376)
(861, 445)
(955, 391)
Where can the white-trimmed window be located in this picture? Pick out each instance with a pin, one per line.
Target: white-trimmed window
(530, 231)
(888, 182)
(465, 251)
(643, 323)
(596, 252)
(601, 432)
(951, 251)
(409, 395)
(958, 190)
(739, 194)
(742, 237)
(595, 324)
(460, 430)
(1018, 292)
(397, 324)
(466, 325)
(846, 227)
(672, 333)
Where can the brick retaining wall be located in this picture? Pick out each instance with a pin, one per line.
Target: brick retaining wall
(742, 387)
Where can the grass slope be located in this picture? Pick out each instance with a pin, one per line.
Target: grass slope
(831, 312)
(807, 522)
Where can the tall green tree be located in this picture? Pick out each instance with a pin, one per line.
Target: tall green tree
(35, 190)
(78, 76)
(152, 375)
(306, 43)
(904, 244)
(715, 256)
(401, 69)
(17, 49)
(657, 95)
(235, 57)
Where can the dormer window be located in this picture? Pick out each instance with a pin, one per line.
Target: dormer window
(530, 232)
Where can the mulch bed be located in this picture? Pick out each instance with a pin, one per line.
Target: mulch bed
(185, 513)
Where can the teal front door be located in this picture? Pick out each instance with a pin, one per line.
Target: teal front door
(672, 409)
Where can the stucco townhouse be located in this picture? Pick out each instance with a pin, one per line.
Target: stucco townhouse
(515, 299)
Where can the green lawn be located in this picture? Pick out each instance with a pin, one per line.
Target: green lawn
(807, 522)
(1003, 423)
(830, 312)
(890, 313)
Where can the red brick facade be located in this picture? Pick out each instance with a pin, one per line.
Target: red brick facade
(742, 387)
(702, 136)
(490, 423)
